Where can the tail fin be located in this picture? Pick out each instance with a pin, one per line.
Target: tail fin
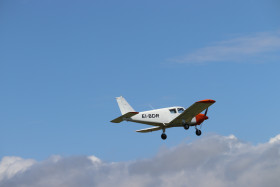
(124, 106)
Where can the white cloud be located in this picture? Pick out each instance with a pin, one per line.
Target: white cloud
(210, 161)
(10, 166)
(275, 139)
(94, 159)
(259, 47)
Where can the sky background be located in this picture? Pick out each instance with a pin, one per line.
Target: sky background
(62, 63)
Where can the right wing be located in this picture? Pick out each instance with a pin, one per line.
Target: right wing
(123, 117)
(192, 111)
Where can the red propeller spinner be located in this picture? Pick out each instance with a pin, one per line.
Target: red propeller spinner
(201, 117)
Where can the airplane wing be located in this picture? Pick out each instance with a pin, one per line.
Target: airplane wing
(123, 117)
(192, 111)
(149, 129)
(154, 128)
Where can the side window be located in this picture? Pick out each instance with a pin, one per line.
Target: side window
(180, 110)
(172, 111)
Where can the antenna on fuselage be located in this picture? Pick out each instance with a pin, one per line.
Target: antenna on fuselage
(151, 107)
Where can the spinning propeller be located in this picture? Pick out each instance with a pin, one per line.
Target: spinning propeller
(205, 114)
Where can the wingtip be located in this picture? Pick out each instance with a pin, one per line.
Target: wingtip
(207, 101)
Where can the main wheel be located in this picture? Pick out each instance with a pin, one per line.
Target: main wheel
(163, 136)
(186, 126)
(198, 132)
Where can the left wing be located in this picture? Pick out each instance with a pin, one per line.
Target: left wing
(154, 128)
(192, 111)
(149, 129)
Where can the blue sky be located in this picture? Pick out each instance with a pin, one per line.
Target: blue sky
(62, 63)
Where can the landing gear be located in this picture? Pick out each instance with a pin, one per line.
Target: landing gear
(186, 126)
(163, 136)
(198, 132)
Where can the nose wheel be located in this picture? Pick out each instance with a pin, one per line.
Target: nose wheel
(198, 132)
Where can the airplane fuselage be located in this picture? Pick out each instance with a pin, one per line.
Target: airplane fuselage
(160, 116)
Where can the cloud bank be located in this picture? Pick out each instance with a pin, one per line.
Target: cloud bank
(258, 47)
(210, 161)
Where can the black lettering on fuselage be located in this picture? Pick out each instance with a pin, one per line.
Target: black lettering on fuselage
(150, 115)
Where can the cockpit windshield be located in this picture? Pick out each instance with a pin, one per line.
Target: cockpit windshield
(180, 110)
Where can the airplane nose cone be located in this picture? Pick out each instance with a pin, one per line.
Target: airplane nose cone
(200, 118)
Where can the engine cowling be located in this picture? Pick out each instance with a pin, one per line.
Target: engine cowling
(200, 118)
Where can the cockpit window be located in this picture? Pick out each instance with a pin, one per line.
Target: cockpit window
(180, 110)
(172, 111)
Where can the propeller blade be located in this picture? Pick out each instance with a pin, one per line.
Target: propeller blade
(206, 112)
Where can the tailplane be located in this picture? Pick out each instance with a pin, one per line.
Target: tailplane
(124, 106)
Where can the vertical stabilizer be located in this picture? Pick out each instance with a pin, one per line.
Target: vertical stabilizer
(124, 106)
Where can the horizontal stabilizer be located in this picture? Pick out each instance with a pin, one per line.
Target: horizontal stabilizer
(149, 129)
(123, 117)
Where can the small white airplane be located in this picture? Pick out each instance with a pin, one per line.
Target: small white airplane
(165, 117)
